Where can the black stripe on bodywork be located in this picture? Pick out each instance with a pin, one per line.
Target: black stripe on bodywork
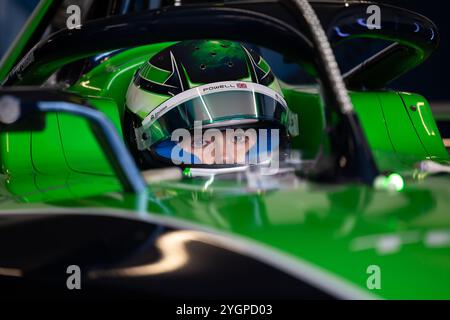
(108, 261)
(257, 74)
(154, 87)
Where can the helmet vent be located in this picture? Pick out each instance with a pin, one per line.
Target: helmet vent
(230, 64)
(203, 66)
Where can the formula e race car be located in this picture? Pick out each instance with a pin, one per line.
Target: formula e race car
(221, 149)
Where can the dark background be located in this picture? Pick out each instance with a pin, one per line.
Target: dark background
(430, 79)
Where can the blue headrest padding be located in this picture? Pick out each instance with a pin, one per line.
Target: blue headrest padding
(164, 149)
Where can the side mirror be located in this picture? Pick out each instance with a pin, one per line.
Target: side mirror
(25, 109)
(17, 115)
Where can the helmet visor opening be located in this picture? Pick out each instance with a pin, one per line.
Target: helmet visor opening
(212, 106)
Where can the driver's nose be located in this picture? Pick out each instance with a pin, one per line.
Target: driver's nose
(221, 155)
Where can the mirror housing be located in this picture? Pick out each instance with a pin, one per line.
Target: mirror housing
(18, 115)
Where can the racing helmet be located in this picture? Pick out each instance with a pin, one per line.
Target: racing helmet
(204, 89)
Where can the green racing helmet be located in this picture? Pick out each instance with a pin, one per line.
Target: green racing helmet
(198, 85)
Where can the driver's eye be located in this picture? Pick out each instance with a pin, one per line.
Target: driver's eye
(240, 139)
(200, 143)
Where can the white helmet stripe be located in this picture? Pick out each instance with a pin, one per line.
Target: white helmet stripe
(209, 89)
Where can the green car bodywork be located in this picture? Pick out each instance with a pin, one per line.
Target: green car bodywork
(333, 232)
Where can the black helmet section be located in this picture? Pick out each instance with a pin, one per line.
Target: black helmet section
(195, 62)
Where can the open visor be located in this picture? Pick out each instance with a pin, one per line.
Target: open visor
(218, 104)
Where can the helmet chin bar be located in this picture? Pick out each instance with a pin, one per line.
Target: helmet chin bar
(264, 169)
(208, 172)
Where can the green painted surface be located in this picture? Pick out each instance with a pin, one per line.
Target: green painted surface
(341, 229)
(423, 120)
(311, 121)
(370, 112)
(402, 133)
(82, 152)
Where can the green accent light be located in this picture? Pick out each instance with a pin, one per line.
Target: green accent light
(187, 172)
(396, 182)
(393, 182)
